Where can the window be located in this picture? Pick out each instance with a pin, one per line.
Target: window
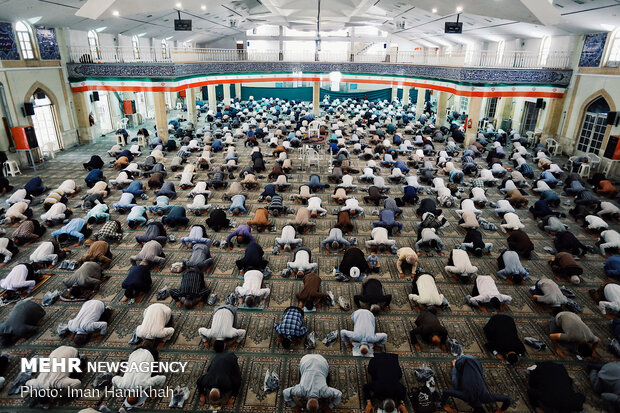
(24, 37)
(501, 45)
(491, 107)
(544, 50)
(93, 45)
(164, 49)
(135, 42)
(464, 104)
(614, 49)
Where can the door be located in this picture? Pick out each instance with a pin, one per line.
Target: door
(103, 110)
(592, 132)
(530, 117)
(44, 123)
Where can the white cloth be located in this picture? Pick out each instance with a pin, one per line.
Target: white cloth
(222, 327)
(16, 279)
(462, 264)
(87, 320)
(154, 321)
(56, 212)
(427, 291)
(252, 283)
(44, 253)
(487, 290)
(136, 379)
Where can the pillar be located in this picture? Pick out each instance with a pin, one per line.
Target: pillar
(473, 115)
(394, 93)
(161, 118)
(316, 97)
(419, 109)
(190, 101)
(212, 98)
(238, 91)
(226, 87)
(406, 91)
(517, 114)
(553, 118)
(442, 102)
(500, 109)
(82, 111)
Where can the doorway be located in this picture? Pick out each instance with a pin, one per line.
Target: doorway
(103, 111)
(593, 127)
(45, 123)
(530, 118)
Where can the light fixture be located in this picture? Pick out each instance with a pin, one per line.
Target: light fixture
(434, 10)
(141, 34)
(115, 13)
(179, 5)
(100, 29)
(169, 37)
(203, 7)
(34, 20)
(459, 9)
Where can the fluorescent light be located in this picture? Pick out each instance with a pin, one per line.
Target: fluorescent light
(434, 10)
(34, 20)
(141, 34)
(203, 7)
(179, 5)
(459, 9)
(169, 37)
(100, 29)
(115, 13)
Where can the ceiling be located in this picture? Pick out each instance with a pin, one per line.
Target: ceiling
(412, 20)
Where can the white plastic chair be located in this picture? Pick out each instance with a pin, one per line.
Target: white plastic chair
(142, 142)
(120, 139)
(122, 124)
(11, 167)
(594, 161)
(584, 170)
(554, 147)
(312, 158)
(48, 150)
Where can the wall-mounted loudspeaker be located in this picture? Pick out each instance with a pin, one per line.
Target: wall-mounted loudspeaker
(612, 118)
(28, 109)
(95, 96)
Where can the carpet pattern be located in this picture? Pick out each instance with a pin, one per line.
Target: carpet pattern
(260, 351)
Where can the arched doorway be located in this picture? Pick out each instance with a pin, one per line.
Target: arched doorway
(45, 122)
(593, 128)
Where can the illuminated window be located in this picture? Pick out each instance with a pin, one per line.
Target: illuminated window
(24, 37)
(544, 50)
(135, 43)
(614, 50)
(164, 49)
(93, 45)
(501, 45)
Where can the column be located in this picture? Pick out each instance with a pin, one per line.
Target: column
(190, 101)
(316, 98)
(500, 109)
(553, 118)
(442, 102)
(161, 118)
(517, 114)
(80, 101)
(238, 91)
(394, 92)
(211, 97)
(226, 87)
(406, 91)
(419, 109)
(473, 115)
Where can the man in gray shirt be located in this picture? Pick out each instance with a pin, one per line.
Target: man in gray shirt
(312, 385)
(546, 291)
(606, 383)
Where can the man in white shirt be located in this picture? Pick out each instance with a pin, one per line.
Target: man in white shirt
(485, 291)
(460, 265)
(287, 240)
(93, 316)
(223, 327)
(314, 206)
(595, 223)
(511, 222)
(607, 297)
(609, 239)
(312, 387)
(301, 263)
(425, 291)
(364, 332)
(252, 288)
(155, 323)
(21, 276)
(136, 379)
(59, 380)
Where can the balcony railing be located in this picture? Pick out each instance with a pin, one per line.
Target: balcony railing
(518, 59)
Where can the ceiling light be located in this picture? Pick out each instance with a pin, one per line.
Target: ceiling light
(141, 34)
(34, 20)
(179, 5)
(203, 7)
(100, 29)
(169, 37)
(115, 13)
(459, 9)
(434, 10)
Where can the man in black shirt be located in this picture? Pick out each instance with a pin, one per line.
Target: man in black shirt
(429, 327)
(222, 380)
(385, 386)
(192, 290)
(503, 338)
(372, 295)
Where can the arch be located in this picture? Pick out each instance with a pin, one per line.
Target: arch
(601, 93)
(52, 97)
(25, 40)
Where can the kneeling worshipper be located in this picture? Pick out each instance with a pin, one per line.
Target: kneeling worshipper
(407, 262)
(485, 292)
(155, 231)
(460, 265)
(99, 251)
(353, 263)
(242, 234)
(156, 323)
(546, 291)
(568, 327)
(469, 386)
(222, 381)
(223, 328)
(428, 326)
(76, 230)
(301, 263)
(287, 239)
(251, 292)
(139, 379)
(379, 240)
(22, 322)
(252, 258)
(200, 258)
(372, 295)
(291, 329)
(56, 379)
(335, 241)
(385, 384)
(176, 218)
(17, 212)
(503, 338)
(217, 220)
(302, 222)
(605, 382)
(193, 289)
(520, 242)
(312, 390)
(151, 252)
(7, 249)
(607, 297)
(510, 267)
(609, 240)
(138, 281)
(551, 390)
(93, 316)
(84, 280)
(424, 291)
(48, 253)
(21, 277)
(311, 294)
(565, 266)
(364, 336)
(28, 231)
(260, 220)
